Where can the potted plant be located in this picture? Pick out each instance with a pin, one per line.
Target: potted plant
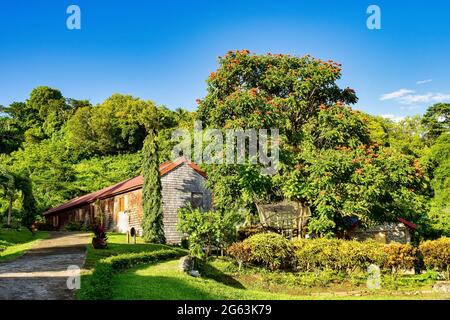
(100, 238)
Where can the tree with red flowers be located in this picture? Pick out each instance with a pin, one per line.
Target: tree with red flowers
(327, 158)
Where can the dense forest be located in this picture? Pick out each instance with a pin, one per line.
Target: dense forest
(342, 162)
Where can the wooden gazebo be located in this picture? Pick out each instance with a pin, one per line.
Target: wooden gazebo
(288, 216)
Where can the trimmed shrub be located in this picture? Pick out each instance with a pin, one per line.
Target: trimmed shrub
(240, 251)
(270, 250)
(99, 284)
(246, 232)
(399, 257)
(336, 254)
(436, 255)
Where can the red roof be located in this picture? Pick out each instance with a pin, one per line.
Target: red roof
(407, 223)
(124, 186)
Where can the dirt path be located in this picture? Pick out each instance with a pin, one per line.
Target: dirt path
(42, 272)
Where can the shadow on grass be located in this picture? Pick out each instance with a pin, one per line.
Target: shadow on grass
(210, 272)
(137, 287)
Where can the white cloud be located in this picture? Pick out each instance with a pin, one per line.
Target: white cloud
(424, 81)
(396, 94)
(409, 97)
(392, 117)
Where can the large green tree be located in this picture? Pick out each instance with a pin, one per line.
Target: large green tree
(327, 157)
(437, 120)
(152, 218)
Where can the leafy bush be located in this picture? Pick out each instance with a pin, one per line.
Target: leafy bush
(74, 226)
(270, 249)
(399, 257)
(336, 254)
(99, 285)
(436, 255)
(242, 252)
(206, 229)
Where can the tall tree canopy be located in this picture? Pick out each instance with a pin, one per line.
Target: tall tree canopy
(327, 158)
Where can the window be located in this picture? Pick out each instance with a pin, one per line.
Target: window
(121, 204)
(197, 200)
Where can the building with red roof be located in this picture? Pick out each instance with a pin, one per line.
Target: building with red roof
(119, 207)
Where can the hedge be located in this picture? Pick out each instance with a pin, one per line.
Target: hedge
(99, 285)
(336, 254)
(436, 255)
(273, 251)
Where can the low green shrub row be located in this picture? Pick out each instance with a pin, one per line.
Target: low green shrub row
(99, 285)
(274, 252)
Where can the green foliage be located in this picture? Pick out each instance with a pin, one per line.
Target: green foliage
(75, 226)
(23, 183)
(206, 229)
(116, 125)
(345, 257)
(437, 120)
(152, 219)
(68, 147)
(330, 158)
(99, 172)
(270, 250)
(436, 255)
(439, 214)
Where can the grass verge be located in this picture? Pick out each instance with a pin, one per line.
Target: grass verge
(103, 264)
(14, 243)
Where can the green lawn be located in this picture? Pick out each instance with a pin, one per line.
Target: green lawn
(165, 281)
(117, 244)
(14, 243)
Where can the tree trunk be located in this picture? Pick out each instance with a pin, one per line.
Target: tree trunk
(9, 211)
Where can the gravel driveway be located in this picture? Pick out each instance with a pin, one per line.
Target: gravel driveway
(42, 272)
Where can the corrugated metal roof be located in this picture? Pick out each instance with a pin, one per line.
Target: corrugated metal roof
(124, 186)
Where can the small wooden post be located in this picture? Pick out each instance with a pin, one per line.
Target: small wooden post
(128, 236)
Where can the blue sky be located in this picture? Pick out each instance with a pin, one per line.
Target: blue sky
(164, 50)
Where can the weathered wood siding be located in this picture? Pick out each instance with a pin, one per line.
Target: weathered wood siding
(177, 189)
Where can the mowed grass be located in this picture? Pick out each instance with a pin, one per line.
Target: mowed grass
(164, 281)
(117, 244)
(14, 243)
